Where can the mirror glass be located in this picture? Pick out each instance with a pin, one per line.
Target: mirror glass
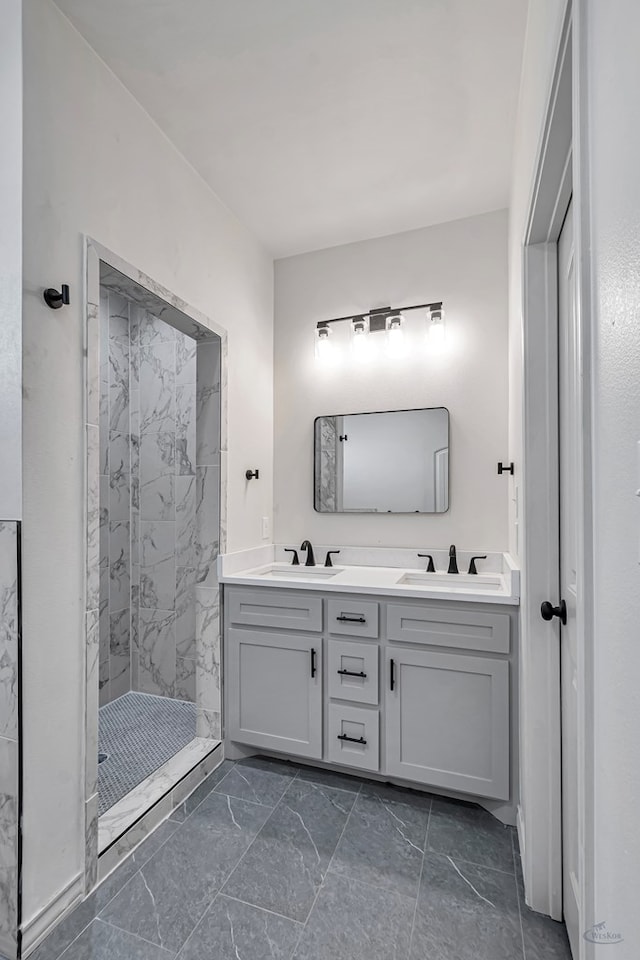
(391, 462)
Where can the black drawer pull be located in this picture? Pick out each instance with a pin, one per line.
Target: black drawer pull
(313, 662)
(351, 673)
(392, 674)
(343, 736)
(351, 619)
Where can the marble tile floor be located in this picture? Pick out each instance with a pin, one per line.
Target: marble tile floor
(138, 733)
(273, 861)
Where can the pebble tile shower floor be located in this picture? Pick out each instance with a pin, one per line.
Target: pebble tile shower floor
(273, 861)
(138, 733)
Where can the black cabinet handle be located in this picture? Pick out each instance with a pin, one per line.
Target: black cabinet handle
(392, 674)
(343, 619)
(351, 673)
(313, 662)
(343, 736)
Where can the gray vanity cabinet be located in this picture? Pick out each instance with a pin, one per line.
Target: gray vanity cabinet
(275, 691)
(447, 720)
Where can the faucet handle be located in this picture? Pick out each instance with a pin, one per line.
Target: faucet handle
(295, 561)
(472, 565)
(327, 559)
(430, 566)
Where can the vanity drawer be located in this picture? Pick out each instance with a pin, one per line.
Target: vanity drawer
(254, 608)
(354, 736)
(353, 618)
(348, 660)
(448, 627)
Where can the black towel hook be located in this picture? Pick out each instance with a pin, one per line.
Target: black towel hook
(56, 298)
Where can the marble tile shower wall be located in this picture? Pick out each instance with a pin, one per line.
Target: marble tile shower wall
(160, 514)
(114, 668)
(163, 514)
(8, 736)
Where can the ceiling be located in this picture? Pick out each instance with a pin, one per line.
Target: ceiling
(320, 122)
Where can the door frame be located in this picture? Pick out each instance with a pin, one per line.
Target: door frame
(560, 171)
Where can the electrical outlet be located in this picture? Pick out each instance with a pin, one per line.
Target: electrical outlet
(266, 528)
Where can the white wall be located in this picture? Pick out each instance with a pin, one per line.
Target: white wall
(612, 98)
(11, 260)
(463, 263)
(95, 163)
(544, 21)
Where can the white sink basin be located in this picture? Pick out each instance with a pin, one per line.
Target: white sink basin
(285, 571)
(451, 581)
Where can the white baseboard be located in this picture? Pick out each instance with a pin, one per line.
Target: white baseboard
(40, 926)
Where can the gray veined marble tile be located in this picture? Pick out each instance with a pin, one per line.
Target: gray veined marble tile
(208, 648)
(91, 841)
(259, 780)
(118, 317)
(170, 894)
(185, 612)
(208, 723)
(120, 653)
(157, 467)
(208, 403)
(185, 358)
(118, 386)
(157, 387)
(352, 921)
(157, 565)
(156, 652)
(185, 521)
(465, 831)
(93, 518)
(297, 843)
(231, 930)
(8, 837)
(92, 634)
(186, 679)
(116, 880)
(103, 682)
(101, 941)
(119, 476)
(153, 330)
(186, 429)
(544, 938)
(119, 565)
(465, 911)
(330, 779)
(201, 792)
(8, 630)
(104, 427)
(104, 334)
(207, 524)
(383, 845)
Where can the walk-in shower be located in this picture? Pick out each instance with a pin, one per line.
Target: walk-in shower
(154, 455)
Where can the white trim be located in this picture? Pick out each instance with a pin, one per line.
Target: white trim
(40, 926)
(540, 825)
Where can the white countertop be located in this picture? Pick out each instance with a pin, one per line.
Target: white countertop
(378, 572)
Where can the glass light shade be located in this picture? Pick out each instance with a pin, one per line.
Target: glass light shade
(361, 345)
(396, 340)
(324, 346)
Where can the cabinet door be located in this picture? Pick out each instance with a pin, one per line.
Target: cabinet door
(447, 721)
(275, 691)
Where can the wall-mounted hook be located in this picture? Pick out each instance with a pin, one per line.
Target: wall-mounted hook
(252, 474)
(503, 469)
(343, 438)
(54, 298)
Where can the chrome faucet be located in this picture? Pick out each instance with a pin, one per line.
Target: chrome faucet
(453, 560)
(311, 560)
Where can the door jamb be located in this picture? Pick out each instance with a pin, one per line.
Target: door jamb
(540, 816)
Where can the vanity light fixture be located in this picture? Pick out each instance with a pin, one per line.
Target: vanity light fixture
(389, 320)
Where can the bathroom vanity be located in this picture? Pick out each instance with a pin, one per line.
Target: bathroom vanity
(384, 670)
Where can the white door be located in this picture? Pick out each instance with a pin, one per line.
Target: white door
(569, 440)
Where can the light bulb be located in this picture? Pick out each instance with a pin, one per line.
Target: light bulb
(436, 327)
(324, 346)
(360, 341)
(395, 336)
